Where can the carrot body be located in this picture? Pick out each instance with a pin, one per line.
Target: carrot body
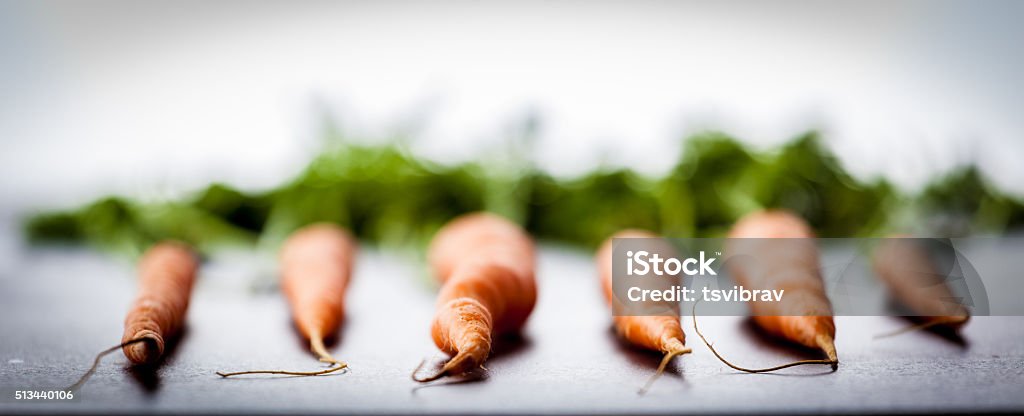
(167, 272)
(316, 264)
(656, 333)
(486, 266)
(912, 280)
(805, 317)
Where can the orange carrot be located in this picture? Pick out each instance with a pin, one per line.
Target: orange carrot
(316, 263)
(485, 264)
(656, 333)
(911, 278)
(805, 317)
(167, 272)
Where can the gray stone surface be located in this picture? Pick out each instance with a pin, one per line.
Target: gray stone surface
(59, 307)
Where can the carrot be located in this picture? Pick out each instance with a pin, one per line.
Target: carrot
(806, 317)
(911, 278)
(167, 272)
(316, 263)
(655, 333)
(485, 264)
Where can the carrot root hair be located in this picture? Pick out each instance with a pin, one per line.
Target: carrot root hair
(661, 368)
(923, 326)
(826, 346)
(316, 344)
(96, 361)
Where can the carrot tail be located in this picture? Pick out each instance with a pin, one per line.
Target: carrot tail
(829, 350)
(316, 344)
(459, 364)
(96, 361)
(924, 325)
(661, 367)
(427, 379)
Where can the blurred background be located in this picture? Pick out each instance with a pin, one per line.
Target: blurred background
(235, 122)
(229, 124)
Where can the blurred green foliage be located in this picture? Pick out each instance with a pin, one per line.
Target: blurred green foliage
(387, 196)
